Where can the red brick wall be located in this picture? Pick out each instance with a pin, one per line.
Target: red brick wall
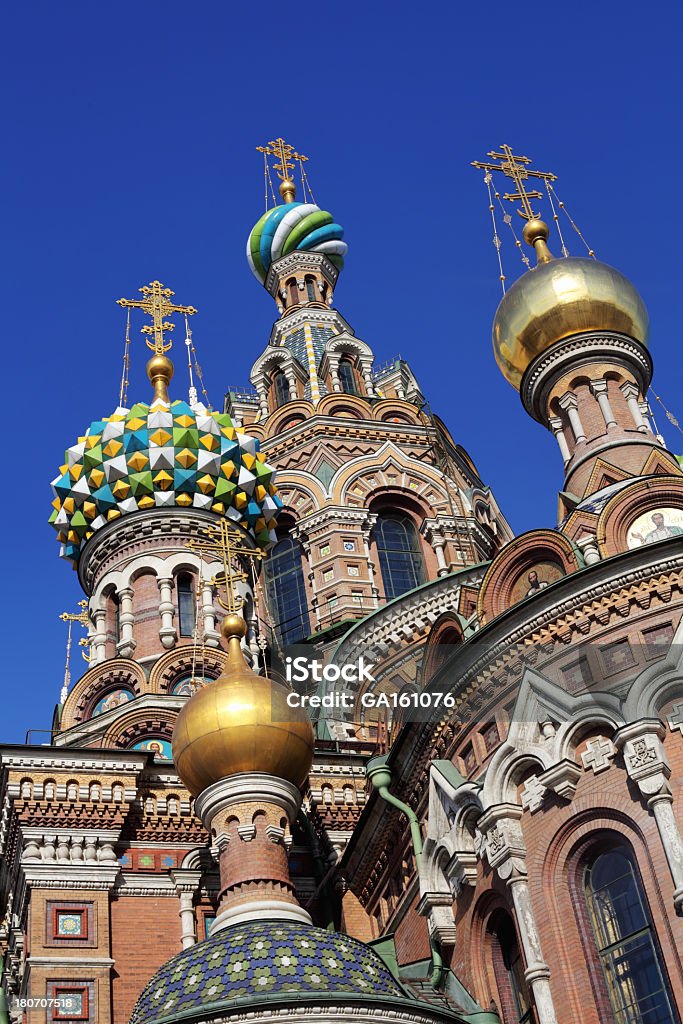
(145, 933)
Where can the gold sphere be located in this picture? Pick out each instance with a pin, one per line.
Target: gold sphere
(287, 190)
(534, 230)
(240, 723)
(159, 366)
(558, 299)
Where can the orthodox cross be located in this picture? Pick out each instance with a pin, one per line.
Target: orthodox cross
(82, 618)
(517, 168)
(283, 152)
(223, 540)
(156, 302)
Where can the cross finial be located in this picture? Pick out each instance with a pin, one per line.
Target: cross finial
(517, 168)
(82, 618)
(224, 540)
(156, 302)
(286, 155)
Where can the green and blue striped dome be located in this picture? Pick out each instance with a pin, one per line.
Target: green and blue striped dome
(294, 226)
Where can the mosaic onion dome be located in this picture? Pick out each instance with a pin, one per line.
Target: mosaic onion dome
(559, 298)
(162, 456)
(259, 960)
(240, 723)
(294, 226)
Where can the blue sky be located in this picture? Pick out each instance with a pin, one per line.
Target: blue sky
(130, 131)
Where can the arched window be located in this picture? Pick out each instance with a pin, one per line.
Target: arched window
(116, 608)
(293, 291)
(310, 288)
(400, 555)
(508, 967)
(347, 378)
(281, 386)
(186, 608)
(627, 946)
(286, 591)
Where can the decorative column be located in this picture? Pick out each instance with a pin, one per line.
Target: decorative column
(555, 424)
(366, 370)
(632, 395)
(126, 644)
(506, 853)
(211, 636)
(186, 883)
(589, 549)
(366, 530)
(334, 372)
(99, 639)
(569, 403)
(291, 380)
(647, 764)
(437, 541)
(167, 633)
(599, 389)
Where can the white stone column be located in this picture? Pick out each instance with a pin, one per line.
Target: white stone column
(167, 633)
(506, 853)
(569, 403)
(647, 764)
(599, 389)
(291, 380)
(632, 395)
(186, 883)
(99, 639)
(334, 372)
(366, 529)
(366, 370)
(211, 636)
(589, 549)
(126, 644)
(555, 424)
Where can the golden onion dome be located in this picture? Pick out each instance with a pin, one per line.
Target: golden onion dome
(559, 298)
(240, 723)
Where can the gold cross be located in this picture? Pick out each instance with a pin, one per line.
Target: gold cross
(83, 619)
(285, 154)
(517, 168)
(81, 616)
(224, 540)
(156, 302)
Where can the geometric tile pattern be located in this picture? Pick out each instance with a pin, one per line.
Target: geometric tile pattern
(161, 456)
(261, 958)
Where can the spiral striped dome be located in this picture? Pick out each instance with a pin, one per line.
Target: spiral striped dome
(294, 226)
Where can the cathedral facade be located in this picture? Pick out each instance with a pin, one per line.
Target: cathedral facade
(485, 827)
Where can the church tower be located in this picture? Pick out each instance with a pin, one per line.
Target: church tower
(377, 497)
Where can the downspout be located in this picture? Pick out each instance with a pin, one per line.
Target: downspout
(379, 774)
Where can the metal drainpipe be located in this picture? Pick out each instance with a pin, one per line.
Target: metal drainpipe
(379, 774)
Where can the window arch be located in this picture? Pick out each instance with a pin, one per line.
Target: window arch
(293, 291)
(625, 940)
(286, 591)
(347, 377)
(508, 968)
(281, 388)
(400, 553)
(310, 288)
(186, 608)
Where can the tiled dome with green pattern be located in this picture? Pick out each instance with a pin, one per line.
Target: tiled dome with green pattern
(161, 456)
(262, 960)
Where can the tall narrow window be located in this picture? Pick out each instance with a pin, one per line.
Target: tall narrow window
(185, 604)
(400, 555)
(310, 289)
(281, 385)
(116, 606)
(286, 591)
(293, 292)
(347, 377)
(627, 945)
(508, 966)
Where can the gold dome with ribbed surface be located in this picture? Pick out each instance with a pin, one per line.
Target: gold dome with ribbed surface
(558, 298)
(240, 723)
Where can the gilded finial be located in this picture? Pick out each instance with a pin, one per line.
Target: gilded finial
(535, 231)
(286, 155)
(156, 302)
(227, 542)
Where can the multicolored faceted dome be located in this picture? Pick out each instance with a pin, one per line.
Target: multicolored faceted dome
(294, 226)
(264, 960)
(161, 456)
